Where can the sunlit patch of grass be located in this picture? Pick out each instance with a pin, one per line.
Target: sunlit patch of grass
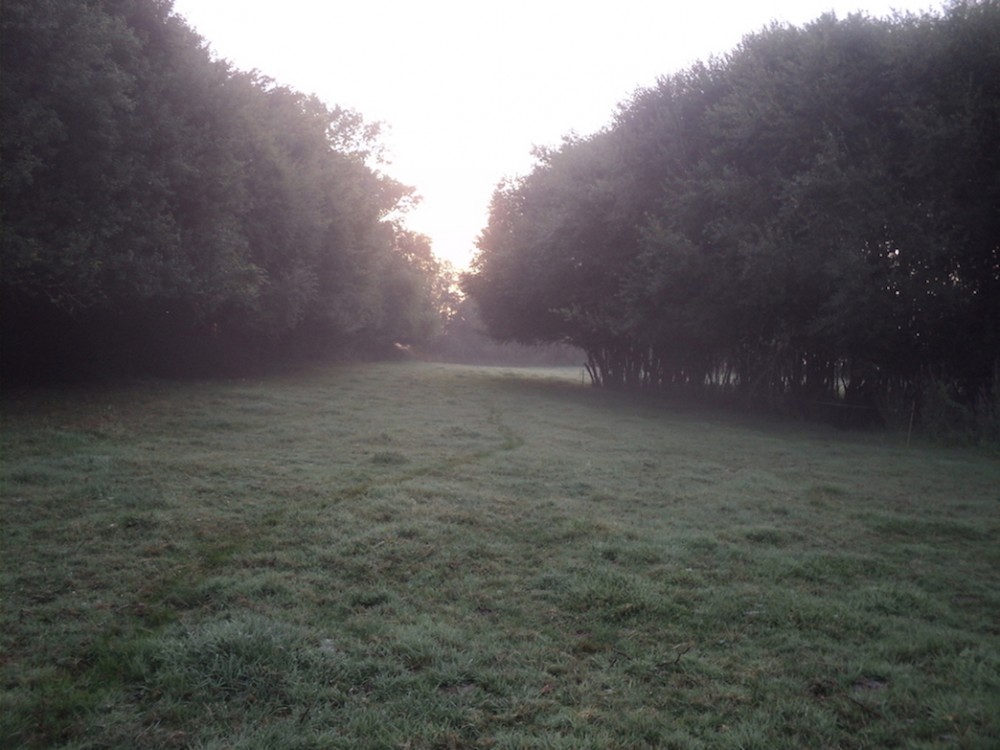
(431, 556)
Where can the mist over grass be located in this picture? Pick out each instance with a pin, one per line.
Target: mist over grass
(410, 555)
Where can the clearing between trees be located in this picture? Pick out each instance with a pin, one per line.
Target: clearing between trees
(413, 555)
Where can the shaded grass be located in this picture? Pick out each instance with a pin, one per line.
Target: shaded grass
(425, 556)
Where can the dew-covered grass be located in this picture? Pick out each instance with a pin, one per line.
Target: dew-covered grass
(428, 556)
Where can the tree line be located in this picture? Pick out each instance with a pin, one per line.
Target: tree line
(163, 211)
(810, 223)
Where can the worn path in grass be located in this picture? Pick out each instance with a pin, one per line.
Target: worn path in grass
(428, 556)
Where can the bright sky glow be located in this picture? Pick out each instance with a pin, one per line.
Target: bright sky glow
(466, 88)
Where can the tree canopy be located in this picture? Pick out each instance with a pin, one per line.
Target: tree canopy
(811, 221)
(162, 210)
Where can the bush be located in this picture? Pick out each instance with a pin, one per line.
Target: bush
(945, 418)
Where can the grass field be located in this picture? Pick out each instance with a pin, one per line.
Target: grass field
(425, 556)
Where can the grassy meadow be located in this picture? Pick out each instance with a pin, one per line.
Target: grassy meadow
(420, 556)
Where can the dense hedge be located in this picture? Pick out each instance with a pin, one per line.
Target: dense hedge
(164, 211)
(811, 222)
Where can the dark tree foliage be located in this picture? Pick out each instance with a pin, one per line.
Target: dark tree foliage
(163, 211)
(811, 222)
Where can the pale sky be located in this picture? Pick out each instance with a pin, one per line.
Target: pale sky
(466, 89)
